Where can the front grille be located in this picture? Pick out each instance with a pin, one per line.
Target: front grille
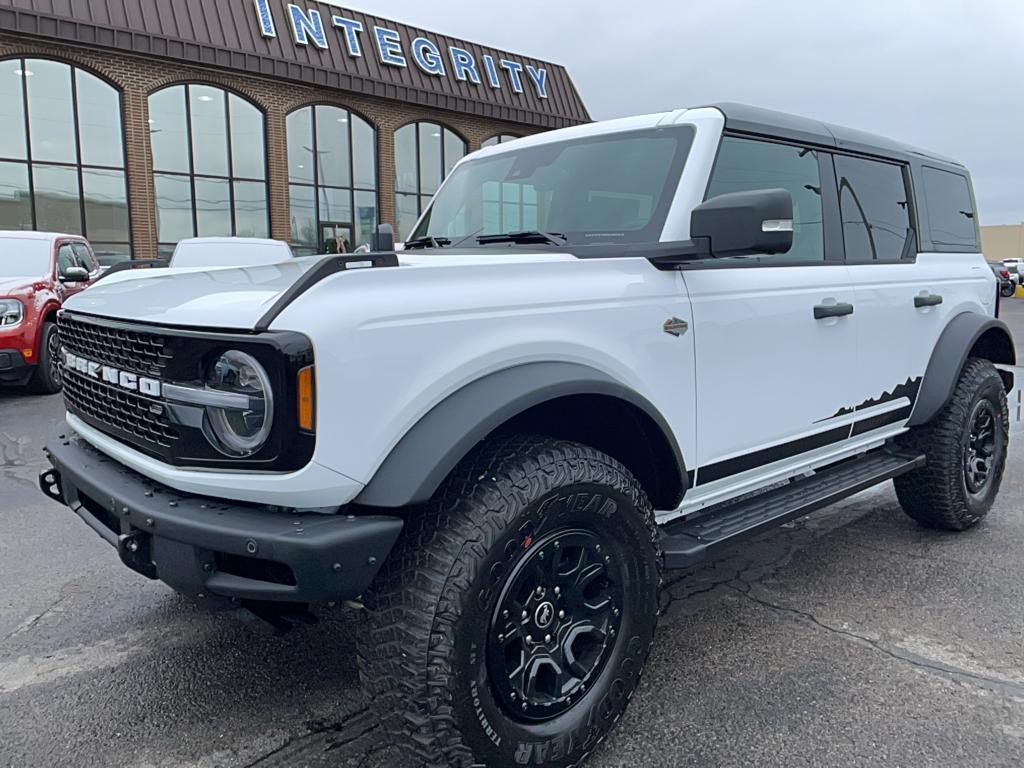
(132, 414)
(125, 414)
(141, 352)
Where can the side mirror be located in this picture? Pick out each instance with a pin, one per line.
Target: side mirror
(745, 223)
(74, 275)
(383, 239)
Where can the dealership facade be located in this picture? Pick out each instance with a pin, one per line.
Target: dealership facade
(141, 122)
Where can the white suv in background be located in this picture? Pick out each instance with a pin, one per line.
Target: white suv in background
(605, 351)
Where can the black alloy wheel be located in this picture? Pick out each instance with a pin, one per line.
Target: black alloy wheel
(554, 624)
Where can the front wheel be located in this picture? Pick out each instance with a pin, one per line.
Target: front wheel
(511, 624)
(965, 446)
(48, 377)
(1007, 290)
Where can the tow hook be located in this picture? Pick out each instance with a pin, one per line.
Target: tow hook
(134, 549)
(49, 484)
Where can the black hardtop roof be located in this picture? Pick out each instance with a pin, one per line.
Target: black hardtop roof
(743, 118)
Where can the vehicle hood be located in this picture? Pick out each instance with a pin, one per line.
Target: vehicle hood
(9, 285)
(238, 298)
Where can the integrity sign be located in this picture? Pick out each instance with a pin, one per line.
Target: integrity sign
(308, 26)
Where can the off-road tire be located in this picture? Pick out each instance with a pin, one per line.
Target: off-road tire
(46, 379)
(424, 651)
(937, 495)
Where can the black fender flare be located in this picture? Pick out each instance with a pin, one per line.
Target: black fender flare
(954, 346)
(431, 449)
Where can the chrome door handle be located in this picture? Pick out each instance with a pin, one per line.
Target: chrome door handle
(929, 300)
(823, 311)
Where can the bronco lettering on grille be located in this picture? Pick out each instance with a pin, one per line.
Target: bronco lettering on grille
(111, 375)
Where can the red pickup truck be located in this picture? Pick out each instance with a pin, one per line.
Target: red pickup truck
(38, 271)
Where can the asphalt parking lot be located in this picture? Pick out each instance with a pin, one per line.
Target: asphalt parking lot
(851, 637)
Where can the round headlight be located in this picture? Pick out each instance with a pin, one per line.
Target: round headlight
(240, 426)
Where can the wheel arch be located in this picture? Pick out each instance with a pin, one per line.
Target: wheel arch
(967, 335)
(561, 400)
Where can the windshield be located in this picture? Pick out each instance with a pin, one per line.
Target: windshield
(601, 189)
(24, 258)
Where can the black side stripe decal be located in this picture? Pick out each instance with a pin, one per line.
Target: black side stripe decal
(748, 461)
(864, 426)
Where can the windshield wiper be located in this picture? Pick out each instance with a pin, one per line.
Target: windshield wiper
(427, 242)
(530, 236)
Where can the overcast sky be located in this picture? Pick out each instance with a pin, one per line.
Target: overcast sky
(946, 75)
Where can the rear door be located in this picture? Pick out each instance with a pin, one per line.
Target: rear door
(904, 298)
(770, 374)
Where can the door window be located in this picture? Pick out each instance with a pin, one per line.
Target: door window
(85, 258)
(744, 165)
(66, 259)
(874, 206)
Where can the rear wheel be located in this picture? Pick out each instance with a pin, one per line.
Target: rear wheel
(48, 376)
(966, 450)
(1007, 290)
(510, 625)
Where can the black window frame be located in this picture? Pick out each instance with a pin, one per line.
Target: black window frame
(912, 244)
(30, 163)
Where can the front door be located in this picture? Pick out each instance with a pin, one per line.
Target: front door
(774, 343)
(335, 237)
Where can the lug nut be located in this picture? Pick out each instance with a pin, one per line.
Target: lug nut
(547, 638)
(529, 639)
(504, 614)
(561, 614)
(558, 544)
(558, 590)
(501, 638)
(525, 615)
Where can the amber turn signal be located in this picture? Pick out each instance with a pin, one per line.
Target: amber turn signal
(307, 399)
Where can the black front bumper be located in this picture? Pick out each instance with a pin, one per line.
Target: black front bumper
(13, 368)
(209, 546)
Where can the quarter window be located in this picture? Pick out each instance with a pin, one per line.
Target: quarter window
(62, 154)
(951, 217)
(745, 165)
(425, 154)
(209, 165)
(874, 206)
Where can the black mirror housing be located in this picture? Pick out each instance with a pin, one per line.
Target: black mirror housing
(383, 239)
(74, 275)
(748, 223)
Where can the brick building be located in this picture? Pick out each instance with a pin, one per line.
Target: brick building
(141, 122)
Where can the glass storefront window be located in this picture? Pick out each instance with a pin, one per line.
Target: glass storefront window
(332, 167)
(425, 154)
(209, 164)
(501, 138)
(62, 159)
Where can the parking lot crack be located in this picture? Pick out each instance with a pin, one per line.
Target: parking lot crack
(1006, 688)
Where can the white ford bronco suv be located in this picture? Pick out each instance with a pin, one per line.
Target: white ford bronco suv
(605, 352)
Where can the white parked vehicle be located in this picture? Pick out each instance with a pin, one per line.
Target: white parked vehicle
(229, 252)
(1013, 265)
(597, 344)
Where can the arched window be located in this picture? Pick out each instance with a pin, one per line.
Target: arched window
(332, 174)
(62, 154)
(501, 138)
(209, 165)
(425, 153)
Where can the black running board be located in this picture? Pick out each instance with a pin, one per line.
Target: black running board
(686, 542)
